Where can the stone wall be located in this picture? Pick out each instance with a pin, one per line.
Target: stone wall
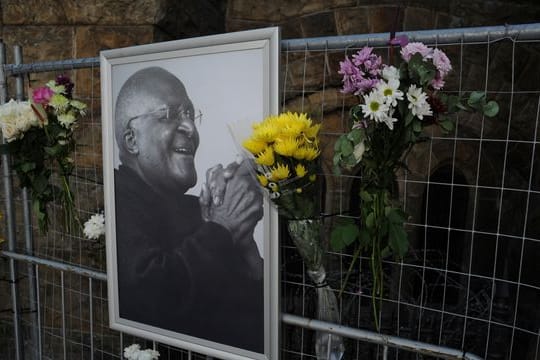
(305, 18)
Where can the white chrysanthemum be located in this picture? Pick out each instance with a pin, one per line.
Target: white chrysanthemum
(390, 73)
(95, 227)
(390, 91)
(16, 117)
(66, 119)
(389, 121)
(132, 352)
(148, 354)
(374, 106)
(418, 102)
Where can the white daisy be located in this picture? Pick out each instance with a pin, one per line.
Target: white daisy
(390, 91)
(389, 120)
(374, 106)
(418, 102)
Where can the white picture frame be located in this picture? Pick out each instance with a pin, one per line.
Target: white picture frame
(234, 80)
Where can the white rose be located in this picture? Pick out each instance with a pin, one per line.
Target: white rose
(10, 131)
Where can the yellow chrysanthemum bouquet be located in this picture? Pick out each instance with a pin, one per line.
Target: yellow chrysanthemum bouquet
(286, 150)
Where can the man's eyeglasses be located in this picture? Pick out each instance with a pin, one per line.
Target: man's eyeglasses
(170, 114)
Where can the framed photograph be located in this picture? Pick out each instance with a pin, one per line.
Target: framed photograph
(192, 243)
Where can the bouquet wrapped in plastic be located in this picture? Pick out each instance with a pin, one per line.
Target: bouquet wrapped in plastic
(286, 151)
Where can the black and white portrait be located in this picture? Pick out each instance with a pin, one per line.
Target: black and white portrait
(189, 240)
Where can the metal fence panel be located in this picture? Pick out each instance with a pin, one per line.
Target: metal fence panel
(469, 283)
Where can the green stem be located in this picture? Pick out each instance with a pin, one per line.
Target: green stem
(349, 270)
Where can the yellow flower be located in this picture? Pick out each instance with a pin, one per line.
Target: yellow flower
(311, 153)
(312, 131)
(306, 153)
(300, 170)
(266, 131)
(262, 179)
(298, 190)
(254, 146)
(312, 177)
(265, 157)
(280, 172)
(286, 146)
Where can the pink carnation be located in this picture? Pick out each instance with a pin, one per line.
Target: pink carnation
(437, 83)
(42, 95)
(416, 47)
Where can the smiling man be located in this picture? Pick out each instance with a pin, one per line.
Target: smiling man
(185, 264)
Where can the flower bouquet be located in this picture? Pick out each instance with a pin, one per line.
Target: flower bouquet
(39, 134)
(286, 152)
(396, 104)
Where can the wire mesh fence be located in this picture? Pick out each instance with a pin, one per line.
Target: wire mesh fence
(469, 282)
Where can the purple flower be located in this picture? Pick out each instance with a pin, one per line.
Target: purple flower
(42, 95)
(68, 85)
(360, 74)
(437, 83)
(401, 40)
(416, 47)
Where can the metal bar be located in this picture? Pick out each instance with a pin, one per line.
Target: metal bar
(10, 223)
(27, 218)
(441, 37)
(376, 338)
(56, 265)
(358, 334)
(91, 317)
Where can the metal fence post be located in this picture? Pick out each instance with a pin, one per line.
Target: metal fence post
(10, 222)
(29, 241)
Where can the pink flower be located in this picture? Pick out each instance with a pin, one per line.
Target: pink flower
(437, 83)
(42, 95)
(441, 62)
(416, 47)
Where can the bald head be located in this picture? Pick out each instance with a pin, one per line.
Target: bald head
(155, 130)
(142, 92)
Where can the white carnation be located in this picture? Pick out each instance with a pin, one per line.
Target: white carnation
(95, 227)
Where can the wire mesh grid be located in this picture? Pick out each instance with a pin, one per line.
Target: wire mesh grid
(469, 281)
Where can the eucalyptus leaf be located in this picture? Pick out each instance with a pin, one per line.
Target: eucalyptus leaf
(476, 97)
(491, 108)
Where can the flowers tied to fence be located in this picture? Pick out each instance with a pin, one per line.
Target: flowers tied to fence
(39, 136)
(396, 104)
(286, 153)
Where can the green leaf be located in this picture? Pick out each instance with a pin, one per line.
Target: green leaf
(364, 238)
(343, 235)
(447, 125)
(346, 148)
(27, 166)
(366, 196)
(336, 159)
(356, 136)
(370, 220)
(395, 215)
(491, 108)
(475, 98)
(408, 118)
(417, 125)
(397, 239)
